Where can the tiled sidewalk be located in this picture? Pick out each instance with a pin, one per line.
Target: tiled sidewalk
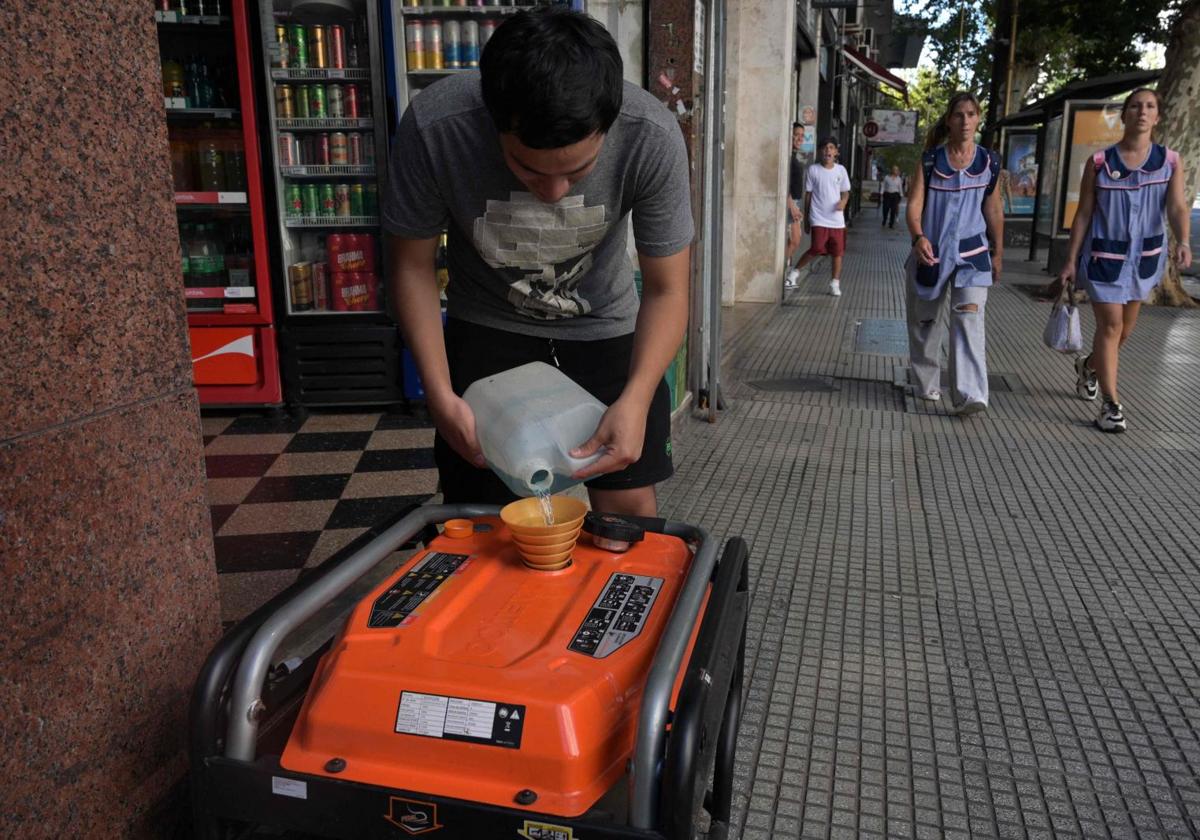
(986, 627)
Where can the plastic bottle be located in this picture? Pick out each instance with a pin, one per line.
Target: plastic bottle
(206, 262)
(210, 162)
(528, 419)
(173, 80)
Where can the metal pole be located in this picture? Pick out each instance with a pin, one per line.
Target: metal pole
(703, 345)
(717, 181)
(1012, 53)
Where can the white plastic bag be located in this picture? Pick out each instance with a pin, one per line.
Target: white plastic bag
(1063, 332)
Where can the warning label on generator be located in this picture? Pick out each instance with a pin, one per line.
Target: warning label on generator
(617, 616)
(459, 719)
(396, 606)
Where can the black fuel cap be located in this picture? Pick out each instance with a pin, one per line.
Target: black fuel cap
(611, 532)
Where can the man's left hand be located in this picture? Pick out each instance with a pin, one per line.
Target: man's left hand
(621, 432)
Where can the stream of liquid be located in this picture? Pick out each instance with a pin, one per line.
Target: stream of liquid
(543, 498)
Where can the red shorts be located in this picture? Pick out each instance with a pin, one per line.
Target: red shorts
(828, 241)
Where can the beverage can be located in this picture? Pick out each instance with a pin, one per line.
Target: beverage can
(320, 285)
(371, 200)
(486, 28)
(317, 53)
(350, 106)
(339, 149)
(370, 283)
(368, 153)
(339, 290)
(328, 205)
(288, 153)
(310, 200)
(321, 150)
(316, 102)
(469, 51)
(356, 200)
(285, 102)
(297, 45)
(452, 45)
(302, 102)
(282, 57)
(341, 199)
(414, 44)
(308, 150)
(337, 46)
(354, 148)
(300, 286)
(433, 45)
(366, 243)
(295, 204)
(335, 101)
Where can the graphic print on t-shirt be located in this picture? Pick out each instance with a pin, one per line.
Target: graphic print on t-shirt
(542, 250)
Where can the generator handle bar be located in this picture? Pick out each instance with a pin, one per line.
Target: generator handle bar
(650, 747)
(245, 704)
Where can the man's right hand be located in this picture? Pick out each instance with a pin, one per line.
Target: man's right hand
(924, 251)
(1067, 275)
(456, 423)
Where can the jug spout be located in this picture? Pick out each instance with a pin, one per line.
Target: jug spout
(538, 476)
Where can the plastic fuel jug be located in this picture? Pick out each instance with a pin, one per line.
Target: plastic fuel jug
(528, 419)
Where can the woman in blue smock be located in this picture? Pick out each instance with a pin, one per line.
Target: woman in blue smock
(953, 214)
(1118, 245)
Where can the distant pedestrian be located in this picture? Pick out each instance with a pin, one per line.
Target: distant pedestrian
(893, 186)
(953, 213)
(794, 197)
(826, 191)
(1118, 249)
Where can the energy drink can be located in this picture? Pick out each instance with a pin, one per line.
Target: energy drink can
(469, 50)
(317, 52)
(350, 105)
(433, 45)
(295, 203)
(354, 148)
(336, 101)
(302, 102)
(282, 56)
(310, 200)
(297, 45)
(451, 45)
(414, 44)
(316, 102)
(337, 46)
(357, 196)
(339, 149)
(328, 203)
(321, 151)
(289, 153)
(285, 102)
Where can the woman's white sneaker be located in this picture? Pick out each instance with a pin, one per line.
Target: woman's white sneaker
(1111, 418)
(1086, 385)
(835, 288)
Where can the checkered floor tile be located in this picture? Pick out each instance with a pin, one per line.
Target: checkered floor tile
(286, 493)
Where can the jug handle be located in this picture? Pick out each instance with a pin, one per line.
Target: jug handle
(577, 464)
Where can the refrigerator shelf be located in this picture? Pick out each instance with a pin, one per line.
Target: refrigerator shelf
(464, 10)
(332, 221)
(176, 109)
(301, 74)
(205, 198)
(444, 71)
(331, 169)
(319, 123)
(190, 20)
(222, 292)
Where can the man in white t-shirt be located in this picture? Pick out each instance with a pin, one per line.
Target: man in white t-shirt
(827, 189)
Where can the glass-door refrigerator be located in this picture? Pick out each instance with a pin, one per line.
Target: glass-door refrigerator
(205, 50)
(326, 164)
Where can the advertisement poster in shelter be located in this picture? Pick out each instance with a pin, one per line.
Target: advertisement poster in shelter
(1094, 126)
(1044, 224)
(1020, 161)
(894, 126)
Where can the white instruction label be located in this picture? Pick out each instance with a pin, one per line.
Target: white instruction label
(289, 787)
(460, 719)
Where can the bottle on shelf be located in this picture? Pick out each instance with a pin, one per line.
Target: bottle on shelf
(235, 162)
(206, 261)
(174, 86)
(239, 261)
(182, 160)
(210, 158)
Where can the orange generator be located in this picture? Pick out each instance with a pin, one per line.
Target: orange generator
(471, 696)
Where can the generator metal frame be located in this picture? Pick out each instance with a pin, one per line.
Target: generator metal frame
(242, 712)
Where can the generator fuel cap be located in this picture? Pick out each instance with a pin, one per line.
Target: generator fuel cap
(612, 533)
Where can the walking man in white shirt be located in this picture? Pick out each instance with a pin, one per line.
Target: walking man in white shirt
(827, 189)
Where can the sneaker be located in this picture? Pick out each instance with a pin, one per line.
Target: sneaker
(1111, 418)
(835, 288)
(1086, 385)
(970, 407)
(930, 396)
(793, 277)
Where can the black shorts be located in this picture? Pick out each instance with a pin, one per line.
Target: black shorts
(601, 367)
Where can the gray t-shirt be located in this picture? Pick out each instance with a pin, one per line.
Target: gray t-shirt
(549, 270)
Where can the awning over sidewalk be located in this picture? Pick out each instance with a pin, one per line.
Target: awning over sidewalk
(876, 71)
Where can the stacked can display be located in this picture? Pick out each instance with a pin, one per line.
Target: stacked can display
(341, 276)
(445, 44)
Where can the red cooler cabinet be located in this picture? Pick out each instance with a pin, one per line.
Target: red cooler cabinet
(208, 89)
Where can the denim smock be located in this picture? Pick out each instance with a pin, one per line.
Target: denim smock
(1124, 252)
(953, 222)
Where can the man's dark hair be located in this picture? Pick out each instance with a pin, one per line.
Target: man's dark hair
(830, 140)
(551, 76)
(796, 125)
